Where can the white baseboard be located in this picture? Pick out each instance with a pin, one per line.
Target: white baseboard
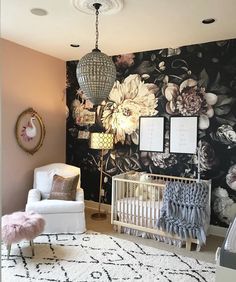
(94, 205)
(213, 229)
(217, 230)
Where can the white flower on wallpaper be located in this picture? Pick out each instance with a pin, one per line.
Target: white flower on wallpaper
(231, 177)
(223, 206)
(226, 135)
(126, 103)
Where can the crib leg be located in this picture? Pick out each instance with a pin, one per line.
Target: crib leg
(188, 245)
(198, 248)
(118, 228)
(8, 250)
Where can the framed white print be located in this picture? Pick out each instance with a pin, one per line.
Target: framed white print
(183, 135)
(151, 134)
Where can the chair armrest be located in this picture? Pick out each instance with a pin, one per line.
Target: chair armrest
(34, 195)
(79, 194)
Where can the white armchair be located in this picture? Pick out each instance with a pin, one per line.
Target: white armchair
(60, 216)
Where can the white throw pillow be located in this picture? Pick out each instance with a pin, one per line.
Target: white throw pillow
(145, 191)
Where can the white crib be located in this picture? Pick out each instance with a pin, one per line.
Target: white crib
(137, 201)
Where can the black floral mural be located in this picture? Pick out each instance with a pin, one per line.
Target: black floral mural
(197, 80)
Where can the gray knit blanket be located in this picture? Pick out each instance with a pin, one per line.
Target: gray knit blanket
(185, 210)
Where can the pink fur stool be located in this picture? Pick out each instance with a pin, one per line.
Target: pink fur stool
(19, 226)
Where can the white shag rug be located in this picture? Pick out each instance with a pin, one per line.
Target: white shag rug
(98, 257)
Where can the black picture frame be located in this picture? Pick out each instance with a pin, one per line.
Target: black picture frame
(151, 134)
(183, 134)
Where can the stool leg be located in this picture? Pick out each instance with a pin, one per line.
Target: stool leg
(32, 247)
(8, 250)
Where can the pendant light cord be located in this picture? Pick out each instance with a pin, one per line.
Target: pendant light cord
(97, 6)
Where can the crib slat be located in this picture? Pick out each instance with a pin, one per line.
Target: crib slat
(158, 203)
(119, 198)
(127, 203)
(146, 207)
(149, 205)
(123, 203)
(137, 208)
(153, 214)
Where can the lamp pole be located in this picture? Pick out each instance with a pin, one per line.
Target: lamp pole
(100, 187)
(100, 215)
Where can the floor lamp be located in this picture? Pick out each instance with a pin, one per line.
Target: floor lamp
(100, 141)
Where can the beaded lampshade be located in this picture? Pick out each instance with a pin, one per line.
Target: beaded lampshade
(96, 72)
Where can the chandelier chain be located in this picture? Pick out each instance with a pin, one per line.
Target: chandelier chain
(97, 32)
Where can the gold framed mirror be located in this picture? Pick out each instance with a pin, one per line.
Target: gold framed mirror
(30, 131)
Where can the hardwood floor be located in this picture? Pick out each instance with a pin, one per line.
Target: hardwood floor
(207, 252)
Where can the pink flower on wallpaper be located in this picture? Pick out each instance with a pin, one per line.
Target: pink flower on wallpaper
(81, 114)
(87, 104)
(124, 61)
(188, 99)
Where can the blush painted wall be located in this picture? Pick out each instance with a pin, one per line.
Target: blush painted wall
(29, 79)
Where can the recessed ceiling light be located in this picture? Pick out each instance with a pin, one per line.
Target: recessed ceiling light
(38, 12)
(208, 21)
(74, 45)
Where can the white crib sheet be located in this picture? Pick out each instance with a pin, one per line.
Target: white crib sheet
(131, 210)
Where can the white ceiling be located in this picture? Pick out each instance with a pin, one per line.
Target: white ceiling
(140, 26)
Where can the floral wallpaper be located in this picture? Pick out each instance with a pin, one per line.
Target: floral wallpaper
(197, 80)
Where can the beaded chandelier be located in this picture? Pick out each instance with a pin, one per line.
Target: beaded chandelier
(96, 72)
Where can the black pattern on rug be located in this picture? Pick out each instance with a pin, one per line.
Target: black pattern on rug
(98, 257)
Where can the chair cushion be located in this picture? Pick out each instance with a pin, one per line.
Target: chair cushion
(64, 188)
(55, 206)
(43, 176)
